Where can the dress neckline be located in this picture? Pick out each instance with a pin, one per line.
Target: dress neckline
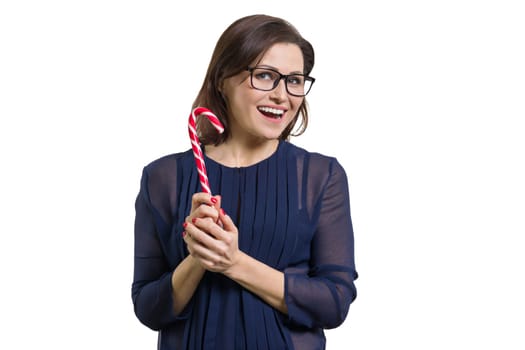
(271, 156)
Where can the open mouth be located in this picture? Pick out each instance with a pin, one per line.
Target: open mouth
(273, 113)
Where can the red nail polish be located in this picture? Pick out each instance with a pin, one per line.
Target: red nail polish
(183, 234)
(223, 212)
(194, 220)
(184, 224)
(213, 200)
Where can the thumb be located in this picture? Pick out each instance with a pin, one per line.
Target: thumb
(217, 203)
(227, 223)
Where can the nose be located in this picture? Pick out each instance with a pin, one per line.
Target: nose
(279, 93)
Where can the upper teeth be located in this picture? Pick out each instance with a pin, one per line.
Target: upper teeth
(271, 110)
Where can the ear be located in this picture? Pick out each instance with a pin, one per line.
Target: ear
(220, 88)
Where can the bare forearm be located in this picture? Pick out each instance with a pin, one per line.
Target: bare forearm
(184, 282)
(260, 279)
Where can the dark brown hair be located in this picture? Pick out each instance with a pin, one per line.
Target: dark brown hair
(242, 42)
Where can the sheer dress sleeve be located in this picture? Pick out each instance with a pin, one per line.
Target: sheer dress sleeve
(320, 296)
(151, 288)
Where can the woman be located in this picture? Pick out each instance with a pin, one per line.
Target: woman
(268, 262)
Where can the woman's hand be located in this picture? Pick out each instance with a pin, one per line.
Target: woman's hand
(209, 210)
(214, 243)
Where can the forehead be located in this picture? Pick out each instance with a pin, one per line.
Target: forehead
(284, 57)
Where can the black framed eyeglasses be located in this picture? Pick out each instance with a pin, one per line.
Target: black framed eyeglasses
(267, 79)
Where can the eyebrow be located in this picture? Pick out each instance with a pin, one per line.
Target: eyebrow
(277, 70)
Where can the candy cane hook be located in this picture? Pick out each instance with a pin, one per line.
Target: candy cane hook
(195, 143)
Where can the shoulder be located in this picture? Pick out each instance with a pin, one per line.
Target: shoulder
(314, 160)
(319, 172)
(166, 165)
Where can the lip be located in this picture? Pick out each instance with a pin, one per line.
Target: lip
(274, 120)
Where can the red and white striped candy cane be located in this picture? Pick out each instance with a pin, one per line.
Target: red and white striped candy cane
(195, 143)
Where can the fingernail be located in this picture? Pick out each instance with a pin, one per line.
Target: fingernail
(213, 200)
(183, 233)
(223, 212)
(194, 220)
(184, 224)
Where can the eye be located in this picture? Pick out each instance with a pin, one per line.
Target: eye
(262, 74)
(296, 80)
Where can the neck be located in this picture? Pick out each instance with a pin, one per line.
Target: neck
(234, 154)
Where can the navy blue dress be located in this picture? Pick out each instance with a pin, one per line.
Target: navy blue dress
(293, 213)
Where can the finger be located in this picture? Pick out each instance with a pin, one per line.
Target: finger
(200, 231)
(203, 212)
(194, 246)
(199, 250)
(211, 229)
(227, 222)
(216, 201)
(219, 233)
(200, 198)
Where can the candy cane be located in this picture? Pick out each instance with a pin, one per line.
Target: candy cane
(195, 143)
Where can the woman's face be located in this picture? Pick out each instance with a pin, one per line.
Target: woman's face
(257, 115)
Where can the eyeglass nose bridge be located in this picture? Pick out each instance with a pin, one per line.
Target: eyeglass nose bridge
(278, 80)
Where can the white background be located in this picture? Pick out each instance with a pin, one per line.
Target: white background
(421, 101)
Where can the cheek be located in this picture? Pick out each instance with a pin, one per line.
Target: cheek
(243, 95)
(248, 99)
(297, 103)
